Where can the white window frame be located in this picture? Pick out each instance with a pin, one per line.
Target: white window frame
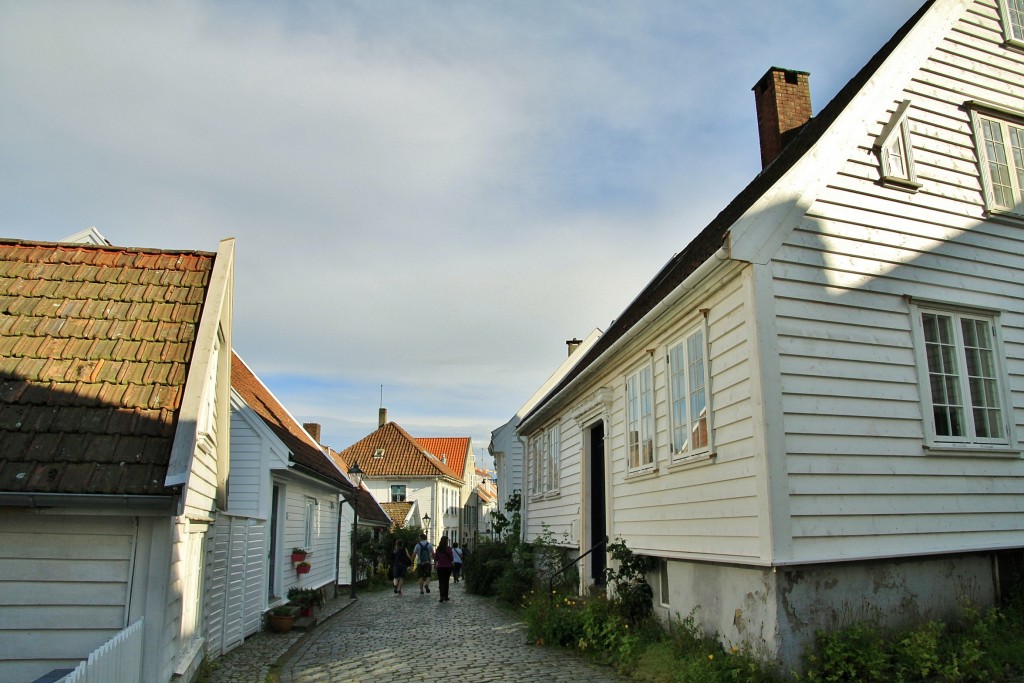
(640, 419)
(404, 494)
(683, 427)
(986, 119)
(1011, 12)
(552, 457)
(310, 523)
(958, 385)
(894, 148)
(664, 587)
(533, 461)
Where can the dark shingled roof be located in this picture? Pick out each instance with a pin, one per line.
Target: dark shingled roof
(302, 450)
(713, 236)
(95, 345)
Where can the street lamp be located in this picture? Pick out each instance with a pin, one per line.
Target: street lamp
(426, 525)
(356, 475)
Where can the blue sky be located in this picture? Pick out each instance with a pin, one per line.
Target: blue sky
(428, 197)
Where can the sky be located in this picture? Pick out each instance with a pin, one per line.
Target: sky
(428, 198)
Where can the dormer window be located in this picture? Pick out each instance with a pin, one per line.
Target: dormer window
(894, 151)
(1012, 12)
(378, 454)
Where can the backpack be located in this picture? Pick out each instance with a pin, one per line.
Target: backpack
(423, 552)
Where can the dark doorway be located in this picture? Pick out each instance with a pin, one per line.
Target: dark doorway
(598, 530)
(272, 546)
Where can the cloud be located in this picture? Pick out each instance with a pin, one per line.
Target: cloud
(428, 196)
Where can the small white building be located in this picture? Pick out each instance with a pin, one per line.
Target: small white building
(285, 493)
(114, 386)
(814, 410)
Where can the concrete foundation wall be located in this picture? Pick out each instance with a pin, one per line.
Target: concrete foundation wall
(776, 612)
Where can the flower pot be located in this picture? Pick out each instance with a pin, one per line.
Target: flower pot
(281, 623)
(303, 567)
(298, 557)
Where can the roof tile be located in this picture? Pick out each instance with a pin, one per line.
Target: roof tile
(76, 351)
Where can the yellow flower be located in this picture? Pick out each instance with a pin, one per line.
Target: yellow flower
(711, 656)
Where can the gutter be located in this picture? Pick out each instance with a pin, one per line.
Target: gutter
(684, 287)
(163, 504)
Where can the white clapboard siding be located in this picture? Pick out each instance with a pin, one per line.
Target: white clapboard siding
(64, 584)
(860, 483)
(236, 592)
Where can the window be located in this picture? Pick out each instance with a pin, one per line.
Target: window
(544, 448)
(688, 394)
(999, 138)
(895, 152)
(310, 522)
(960, 368)
(398, 493)
(552, 449)
(640, 419)
(1013, 20)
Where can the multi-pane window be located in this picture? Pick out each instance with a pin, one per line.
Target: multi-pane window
(964, 386)
(640, 418)
(688, 395)
(309, 534)
(398, 493)
(544, 449)
(895, 152)
(1013, 20)
(1001, 151)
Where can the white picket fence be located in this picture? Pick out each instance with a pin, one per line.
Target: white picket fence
(119, 659)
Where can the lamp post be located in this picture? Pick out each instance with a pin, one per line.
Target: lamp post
(356, 475)
(426, 525)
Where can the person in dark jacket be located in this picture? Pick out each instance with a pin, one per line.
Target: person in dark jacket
(444, 561)
(399, 565)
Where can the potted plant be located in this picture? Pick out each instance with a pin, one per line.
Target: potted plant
(299, 554)
(281, 618)
(305, 599)
(303, 567)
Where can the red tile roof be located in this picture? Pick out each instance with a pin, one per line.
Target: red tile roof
(397, 511)
(390, 451)
(95, 343)
(302, 449)
(369, 509)
(451, 450)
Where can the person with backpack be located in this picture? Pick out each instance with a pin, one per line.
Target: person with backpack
(424, 552)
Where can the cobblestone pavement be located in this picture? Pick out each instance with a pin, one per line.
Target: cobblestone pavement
(414, 638)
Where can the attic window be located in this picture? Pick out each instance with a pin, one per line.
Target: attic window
(444, 459)
(1012, 12)
(378, 454)
(895, 152)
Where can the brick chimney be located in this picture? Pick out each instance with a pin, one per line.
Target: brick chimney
(382, 417)
(314, 430)
(573, 344)
(783, 99)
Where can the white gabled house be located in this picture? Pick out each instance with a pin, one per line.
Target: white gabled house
(114, 381)
(506, 446)
(285, 493)
(814, 410)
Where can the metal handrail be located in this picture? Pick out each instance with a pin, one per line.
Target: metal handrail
(551, 579)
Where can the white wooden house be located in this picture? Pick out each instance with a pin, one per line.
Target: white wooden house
(114, 380)
(813, 411)
(457, 453)
(285, 493)
(506, 446)
(397, 469)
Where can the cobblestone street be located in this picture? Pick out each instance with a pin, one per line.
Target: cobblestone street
(414, 638)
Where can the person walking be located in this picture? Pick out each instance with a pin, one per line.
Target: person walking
(401, 559)
(457, 562)
(445, 560)
(424, 556)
